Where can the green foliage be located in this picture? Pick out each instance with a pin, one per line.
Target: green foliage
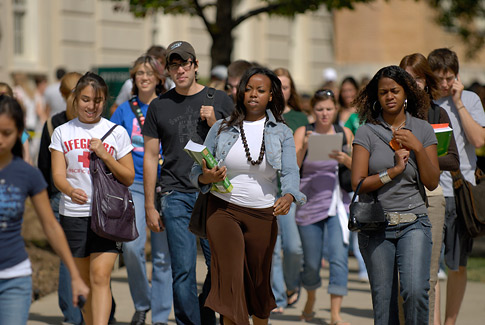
(476, 269)
(278, 7)
(465, 18)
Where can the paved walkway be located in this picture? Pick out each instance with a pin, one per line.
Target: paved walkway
(356, 307)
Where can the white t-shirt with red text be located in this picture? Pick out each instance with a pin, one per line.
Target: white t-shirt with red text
(73, 138)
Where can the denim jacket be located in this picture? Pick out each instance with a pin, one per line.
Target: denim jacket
(280, 154)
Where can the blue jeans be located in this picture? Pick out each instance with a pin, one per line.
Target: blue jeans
(358, 256)
(312, 238)
(15, 296)
(71, 314)
(158, 297)
(176, 211)
(406, 249)
(286, 272)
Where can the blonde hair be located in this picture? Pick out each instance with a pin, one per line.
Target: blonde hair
(5, 89)
(68, 83)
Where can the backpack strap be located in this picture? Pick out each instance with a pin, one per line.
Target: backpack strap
(50, 127)
(209, 99)
(434, 114)
(340, 129)
(310, 127)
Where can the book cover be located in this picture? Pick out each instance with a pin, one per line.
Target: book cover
(443, 135)
(199, 152)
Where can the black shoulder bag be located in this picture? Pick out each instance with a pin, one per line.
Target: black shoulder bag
(366, 216)
(112, 207)
(198, 219)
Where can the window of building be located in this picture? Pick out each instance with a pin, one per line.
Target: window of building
(19, 10)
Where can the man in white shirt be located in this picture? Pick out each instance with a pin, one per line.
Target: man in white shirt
(468, 119)
(55, 103)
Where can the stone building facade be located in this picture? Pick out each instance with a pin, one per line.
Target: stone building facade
(37, 36)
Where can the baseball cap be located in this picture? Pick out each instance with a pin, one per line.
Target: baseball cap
(181, 48)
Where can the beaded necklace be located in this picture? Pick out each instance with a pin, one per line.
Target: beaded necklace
(246, 147)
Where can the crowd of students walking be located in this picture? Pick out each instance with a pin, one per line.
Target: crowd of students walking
(286, 215)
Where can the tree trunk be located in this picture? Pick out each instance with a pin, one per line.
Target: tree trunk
(221, 50)
(222, 39)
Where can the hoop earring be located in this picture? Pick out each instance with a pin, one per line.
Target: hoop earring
(405, 104)
(426, 89)
(374, 106)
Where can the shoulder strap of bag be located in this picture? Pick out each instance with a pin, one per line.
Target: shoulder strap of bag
(50, 127)
(357, 189)
(434, 114)
(109, 132)
(386, 139)
(209, 99)
(310, 127)
(135, 107)
(340, 129)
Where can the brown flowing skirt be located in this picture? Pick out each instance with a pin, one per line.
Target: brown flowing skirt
(241, 242)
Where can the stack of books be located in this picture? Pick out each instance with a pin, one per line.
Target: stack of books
(199, 152)
(443, 135)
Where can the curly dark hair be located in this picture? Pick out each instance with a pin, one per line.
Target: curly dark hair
(276, 105)
(367, 102)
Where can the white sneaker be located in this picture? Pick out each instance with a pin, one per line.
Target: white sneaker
(442, 275)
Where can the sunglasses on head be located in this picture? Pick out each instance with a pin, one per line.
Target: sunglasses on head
(324, 92)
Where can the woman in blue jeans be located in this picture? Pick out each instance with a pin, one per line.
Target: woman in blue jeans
(19, 180)
(147, 76)
(327, 207)
(395, 155)
(285, 272)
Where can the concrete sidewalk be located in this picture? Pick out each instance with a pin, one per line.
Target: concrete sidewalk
(356, 307)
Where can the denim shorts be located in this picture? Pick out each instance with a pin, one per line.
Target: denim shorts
(83, 241)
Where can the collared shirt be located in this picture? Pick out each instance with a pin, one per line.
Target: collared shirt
(402, 193)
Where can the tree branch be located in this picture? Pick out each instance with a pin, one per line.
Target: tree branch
(255, 12)
(200, 13)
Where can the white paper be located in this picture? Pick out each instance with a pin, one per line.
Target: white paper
(193, 146)
(321, 145)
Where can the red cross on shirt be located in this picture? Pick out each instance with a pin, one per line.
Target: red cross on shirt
(84, 158)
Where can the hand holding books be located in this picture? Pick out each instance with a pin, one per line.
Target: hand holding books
(212, 175)
(212, 172)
